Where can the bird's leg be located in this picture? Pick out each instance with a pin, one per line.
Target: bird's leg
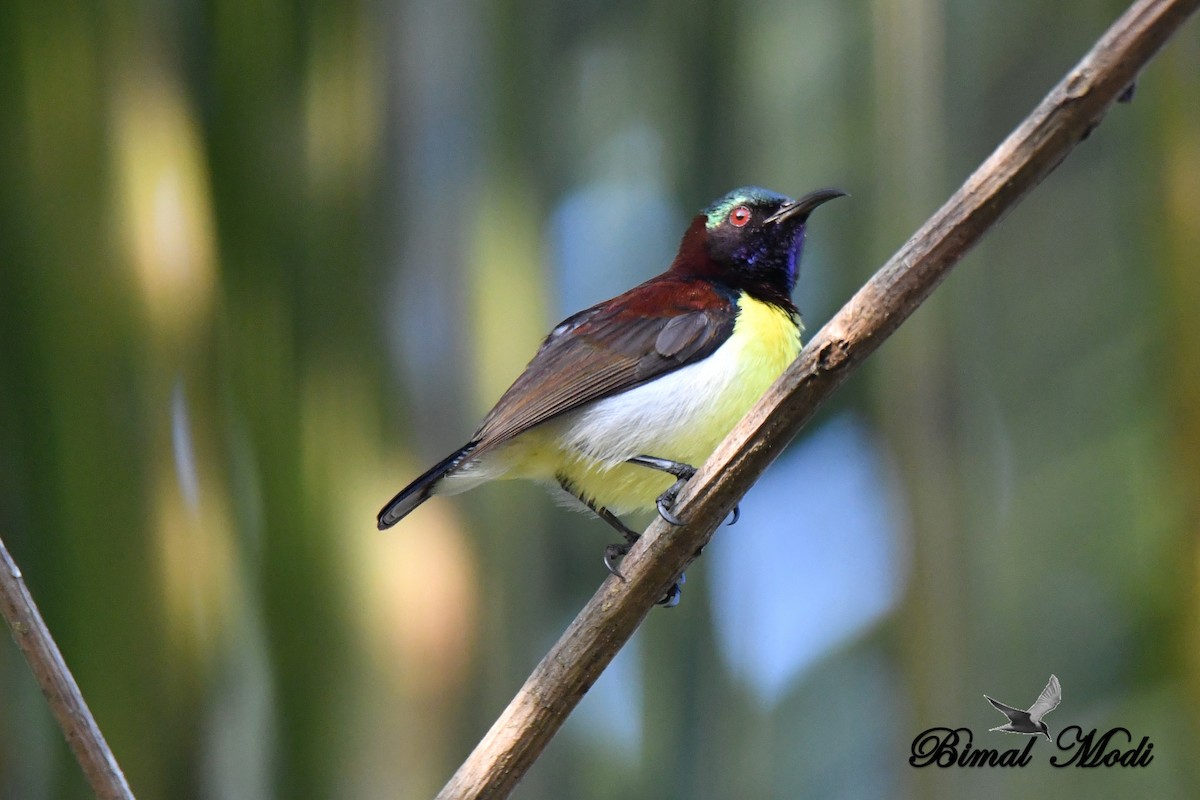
(613, 552)
(683, 473)
(616, 551)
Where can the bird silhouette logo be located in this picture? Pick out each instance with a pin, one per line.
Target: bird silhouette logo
(1029, 722)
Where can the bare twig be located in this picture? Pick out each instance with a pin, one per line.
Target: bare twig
(1064, 118)
(30, 632)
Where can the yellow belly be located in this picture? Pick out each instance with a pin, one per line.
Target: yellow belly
(681, 416)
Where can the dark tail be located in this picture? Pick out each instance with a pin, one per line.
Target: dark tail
(419, 490)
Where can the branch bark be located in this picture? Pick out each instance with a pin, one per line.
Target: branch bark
(1064, 118)
(83, 735)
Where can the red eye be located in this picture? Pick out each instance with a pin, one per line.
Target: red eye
(739, 217)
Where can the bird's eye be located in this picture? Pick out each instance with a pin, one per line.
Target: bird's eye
(739, 217)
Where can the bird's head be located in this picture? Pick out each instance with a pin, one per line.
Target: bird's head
(1041, 726)
(751, 239)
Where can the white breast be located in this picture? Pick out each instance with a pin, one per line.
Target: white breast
(672, 416)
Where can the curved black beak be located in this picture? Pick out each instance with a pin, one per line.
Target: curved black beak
(797, 211)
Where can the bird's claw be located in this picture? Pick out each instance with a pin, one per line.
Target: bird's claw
(736, 514)
(667, 498)
(673, 595)
(665, 501)
(682, 472)
(613, 553)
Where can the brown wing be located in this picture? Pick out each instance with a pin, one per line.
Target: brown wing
(650, 330)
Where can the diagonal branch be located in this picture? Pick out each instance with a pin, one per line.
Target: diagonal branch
(1064, 118)
(29, 630)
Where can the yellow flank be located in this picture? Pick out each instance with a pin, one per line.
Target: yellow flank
(681, 416)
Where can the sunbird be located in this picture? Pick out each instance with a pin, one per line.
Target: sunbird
(623, 399)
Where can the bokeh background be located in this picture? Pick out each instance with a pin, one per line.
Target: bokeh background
(263, 262)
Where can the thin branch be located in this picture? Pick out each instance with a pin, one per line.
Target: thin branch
(1064, 118)
(83, 735)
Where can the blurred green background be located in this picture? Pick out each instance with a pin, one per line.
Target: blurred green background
(263, 262)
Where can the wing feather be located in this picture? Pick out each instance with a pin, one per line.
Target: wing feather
(1004, 709)
(660, 326)
(1047, 701)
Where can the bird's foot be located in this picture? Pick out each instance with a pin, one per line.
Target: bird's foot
(613, 554)
(683, 473)
(673, 595)
(666, 500)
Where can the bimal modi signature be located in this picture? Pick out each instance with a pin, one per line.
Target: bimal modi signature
(955, 747)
